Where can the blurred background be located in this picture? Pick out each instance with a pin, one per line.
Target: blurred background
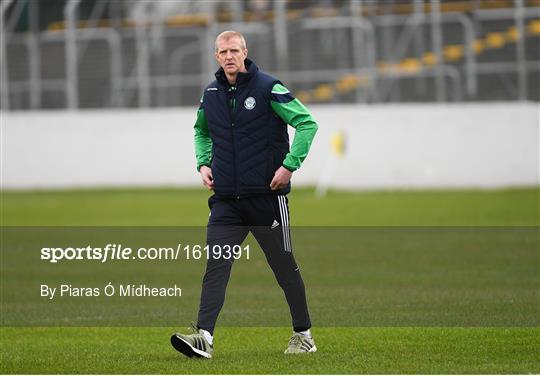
(140, 53)
(408, 94)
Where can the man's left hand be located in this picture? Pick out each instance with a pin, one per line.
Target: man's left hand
(282, 177)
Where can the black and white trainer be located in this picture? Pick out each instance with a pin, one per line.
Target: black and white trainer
(192, 345)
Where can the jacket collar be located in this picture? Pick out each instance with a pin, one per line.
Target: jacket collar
(242, 78)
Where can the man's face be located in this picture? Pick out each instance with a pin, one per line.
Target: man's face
(230, 55)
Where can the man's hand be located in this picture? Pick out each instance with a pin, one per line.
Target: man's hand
(282, 177)
(206, 175)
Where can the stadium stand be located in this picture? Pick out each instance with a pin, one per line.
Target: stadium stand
(480, 57)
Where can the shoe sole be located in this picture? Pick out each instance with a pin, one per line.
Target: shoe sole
(312, 350)
(185, 348)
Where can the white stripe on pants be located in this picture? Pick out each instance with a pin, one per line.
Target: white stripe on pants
(283, 211)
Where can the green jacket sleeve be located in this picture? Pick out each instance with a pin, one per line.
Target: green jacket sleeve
(203, 143)
(294, 113)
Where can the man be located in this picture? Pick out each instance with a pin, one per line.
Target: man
(242, 151)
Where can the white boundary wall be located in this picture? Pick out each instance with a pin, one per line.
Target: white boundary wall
(388, 146)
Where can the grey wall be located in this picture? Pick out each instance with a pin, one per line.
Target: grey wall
(388, 146)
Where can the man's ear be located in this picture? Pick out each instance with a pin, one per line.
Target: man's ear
(216, 56)
(245, 53)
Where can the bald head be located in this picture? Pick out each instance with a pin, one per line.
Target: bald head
(228, 35)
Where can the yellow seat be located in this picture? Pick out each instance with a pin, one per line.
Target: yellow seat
(533, 28)
(453, 52)
(495, 40)
(323, 93)
(410, 65)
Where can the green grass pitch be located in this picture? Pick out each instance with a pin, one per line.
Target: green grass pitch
(488, 349)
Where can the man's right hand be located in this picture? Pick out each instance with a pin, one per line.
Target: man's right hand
(206, 175)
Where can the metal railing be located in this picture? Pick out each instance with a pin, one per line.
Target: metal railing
(149, 33)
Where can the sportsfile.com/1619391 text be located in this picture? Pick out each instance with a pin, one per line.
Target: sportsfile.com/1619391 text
(118, 252)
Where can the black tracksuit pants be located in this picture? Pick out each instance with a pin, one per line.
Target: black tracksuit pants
(267, 217)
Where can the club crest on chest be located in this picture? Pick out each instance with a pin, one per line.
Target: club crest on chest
(250, 103)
